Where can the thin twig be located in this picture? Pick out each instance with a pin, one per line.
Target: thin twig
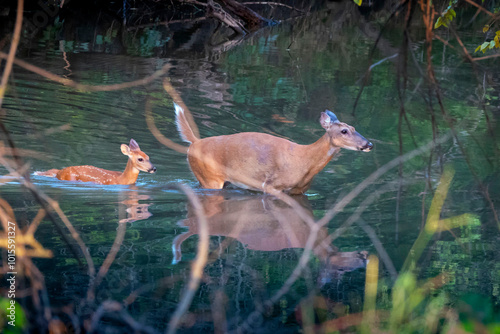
(198, 264)
(378, 173)
(381, 61)
(120, 235)
(480, 8)
(272, 3)
(115, 307)
(13, 48)
(49, 205)
(88, 88)
(467, 54)
(166, 23)
(177, 99)
(246, 180)
(157, 133)
(486, 57)
(444, 41)
(379, 247)
(304, 259)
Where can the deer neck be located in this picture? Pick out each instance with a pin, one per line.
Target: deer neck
(129, 175)
(318, 154)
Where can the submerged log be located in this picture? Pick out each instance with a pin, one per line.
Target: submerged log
(236, 15)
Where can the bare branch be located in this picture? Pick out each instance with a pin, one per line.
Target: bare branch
(304, 259)
(272, 3)
(157, 133)
(487, 57)
(88, 88)
(13, 48)
(481, 8)
(120, 235)
(177, 99)
(198, 264)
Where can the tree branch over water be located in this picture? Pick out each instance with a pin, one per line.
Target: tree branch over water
(13, 48)
(89, 88)
(198, 264)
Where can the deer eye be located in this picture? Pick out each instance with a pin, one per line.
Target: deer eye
(140, 159)
(344, 131)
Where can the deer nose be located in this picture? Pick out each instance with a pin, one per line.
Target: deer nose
(152, 170)
(368, 147)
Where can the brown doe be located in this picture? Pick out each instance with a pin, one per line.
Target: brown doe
(262, 162)
(137, 161)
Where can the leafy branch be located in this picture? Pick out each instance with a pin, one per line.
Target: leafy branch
(489, 45)
(446, 16)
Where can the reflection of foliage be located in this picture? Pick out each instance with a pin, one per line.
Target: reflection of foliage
(144, 43)
(422, 307)
(111, 34)
(50, 32)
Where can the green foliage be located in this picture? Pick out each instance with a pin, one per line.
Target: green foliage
(446, 16)
(477, 314)
(145, 42)
(358, 2)
(416, 307)
(449, 14)
(494, 43)
(20, 318)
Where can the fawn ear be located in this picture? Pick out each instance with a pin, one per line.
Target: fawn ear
(134, 146)
(126, 150)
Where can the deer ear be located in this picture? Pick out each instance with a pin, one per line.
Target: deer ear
(333, 117)
(134, 146)
(126, 150)
(325, 121)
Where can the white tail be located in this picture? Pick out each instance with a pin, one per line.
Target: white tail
(183, 126)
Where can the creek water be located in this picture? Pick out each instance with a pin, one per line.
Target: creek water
(276, 81)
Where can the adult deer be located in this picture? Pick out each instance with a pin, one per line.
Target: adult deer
(259, 161)
(137, 161)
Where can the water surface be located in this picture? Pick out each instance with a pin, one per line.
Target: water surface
(276, 81)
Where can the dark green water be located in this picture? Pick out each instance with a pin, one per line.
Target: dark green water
(276, 81)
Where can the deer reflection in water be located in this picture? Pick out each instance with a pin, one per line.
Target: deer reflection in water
(265, 223)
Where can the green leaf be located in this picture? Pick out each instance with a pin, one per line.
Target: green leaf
(358, 2)
(484, 46)
(478, 48)
(453, 13)
(492, 44)
(486, 28)
(439, 23)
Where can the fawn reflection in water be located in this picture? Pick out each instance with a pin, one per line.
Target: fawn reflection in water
(264, 223)
(134, 209)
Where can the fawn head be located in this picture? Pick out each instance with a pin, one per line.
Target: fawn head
(140, 160)
(343, 135)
